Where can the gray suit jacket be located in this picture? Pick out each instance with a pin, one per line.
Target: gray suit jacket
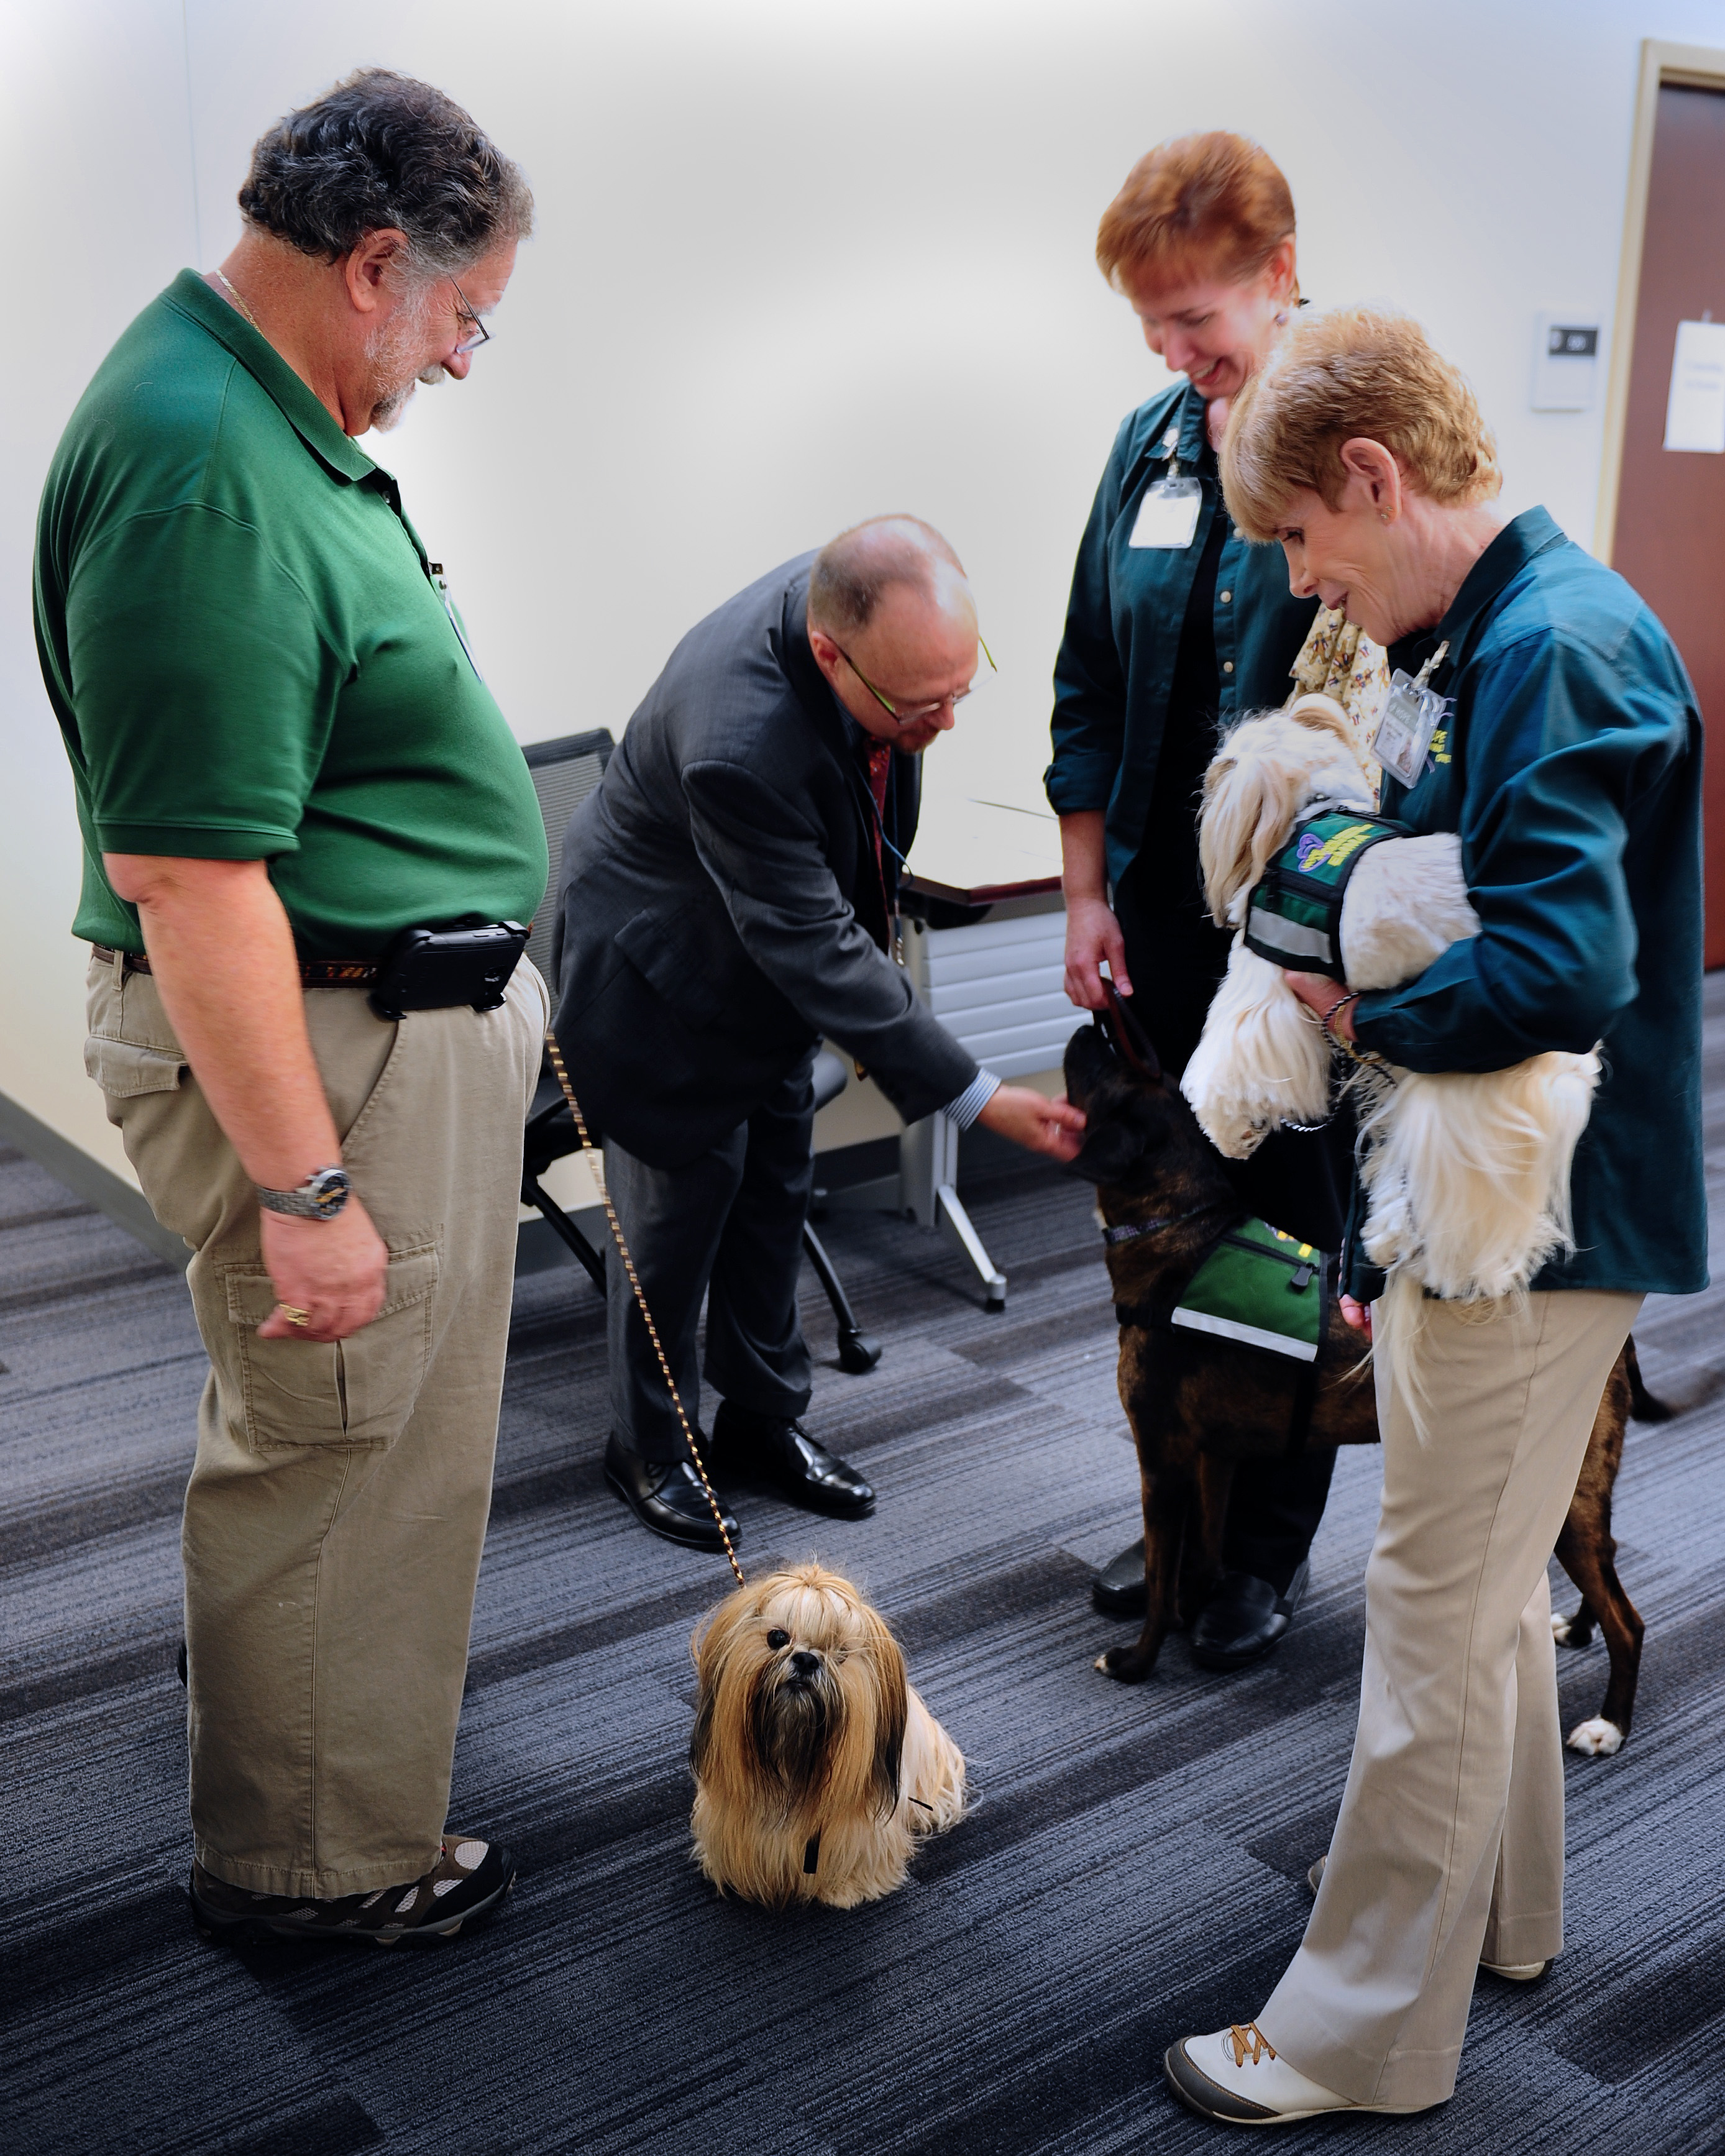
(709, 893)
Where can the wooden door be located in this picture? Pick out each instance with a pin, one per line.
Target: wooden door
(1669, 540)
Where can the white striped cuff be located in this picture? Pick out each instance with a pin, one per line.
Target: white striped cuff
(975, 1097)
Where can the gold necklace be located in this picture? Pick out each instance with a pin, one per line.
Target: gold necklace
(240, 303)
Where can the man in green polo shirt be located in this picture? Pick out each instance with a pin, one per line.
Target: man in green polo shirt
(284, 757)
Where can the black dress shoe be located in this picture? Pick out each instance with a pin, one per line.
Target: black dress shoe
(1243, 1618)
(1118, 1589)
(775, 1453)
(665, 1495)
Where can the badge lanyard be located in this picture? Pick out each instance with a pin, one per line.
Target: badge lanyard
(1411, 716)
(894, 920)
(1167, 512)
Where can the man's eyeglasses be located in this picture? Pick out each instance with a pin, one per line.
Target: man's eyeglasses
(473, 332)
(914, 714)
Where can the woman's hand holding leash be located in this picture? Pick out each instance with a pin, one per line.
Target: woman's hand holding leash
(1093, 933)
(1330, 1002)
(1092, 937)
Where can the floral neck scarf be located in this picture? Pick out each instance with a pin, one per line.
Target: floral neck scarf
(1339, 659)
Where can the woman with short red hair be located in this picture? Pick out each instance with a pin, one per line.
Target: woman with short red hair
(1177, 627)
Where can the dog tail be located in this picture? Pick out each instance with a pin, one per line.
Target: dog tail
(1468, 1172)
(1643, 1406)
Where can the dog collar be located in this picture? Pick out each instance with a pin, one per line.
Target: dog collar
(1130, 1233)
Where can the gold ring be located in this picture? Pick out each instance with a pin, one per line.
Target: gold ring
(294, 1315)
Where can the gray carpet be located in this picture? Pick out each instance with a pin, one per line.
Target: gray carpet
(1132, 1872)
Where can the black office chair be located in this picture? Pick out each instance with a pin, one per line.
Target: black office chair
(565, 772)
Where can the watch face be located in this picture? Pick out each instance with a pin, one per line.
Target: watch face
(328, 1190)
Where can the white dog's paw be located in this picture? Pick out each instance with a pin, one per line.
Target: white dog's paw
(1596, 1736)
(1560, 1629)
(1235, 1137)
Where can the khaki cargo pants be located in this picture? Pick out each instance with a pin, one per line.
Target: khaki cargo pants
(337, 1506)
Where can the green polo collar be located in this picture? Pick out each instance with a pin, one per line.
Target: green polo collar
(189, 295)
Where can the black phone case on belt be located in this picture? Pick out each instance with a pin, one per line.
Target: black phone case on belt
(436, 968)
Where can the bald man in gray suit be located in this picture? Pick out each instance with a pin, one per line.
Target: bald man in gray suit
(729, 897)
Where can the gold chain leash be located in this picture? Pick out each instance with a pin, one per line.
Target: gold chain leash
(629, 1266)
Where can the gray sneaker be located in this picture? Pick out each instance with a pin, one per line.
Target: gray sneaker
(468, 1880)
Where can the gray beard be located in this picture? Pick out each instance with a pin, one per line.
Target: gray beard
(387, 414)
(388, 352)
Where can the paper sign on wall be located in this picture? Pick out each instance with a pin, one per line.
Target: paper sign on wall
(1695, 411)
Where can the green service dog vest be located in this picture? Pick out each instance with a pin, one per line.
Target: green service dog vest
(1295, 916)
(1259, 1287)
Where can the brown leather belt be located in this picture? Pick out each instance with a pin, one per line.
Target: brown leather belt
(314, 973)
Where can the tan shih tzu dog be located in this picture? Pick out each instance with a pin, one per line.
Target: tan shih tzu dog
(816, 1765)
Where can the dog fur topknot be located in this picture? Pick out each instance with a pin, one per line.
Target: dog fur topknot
(1466, 1173)
(816, 1764)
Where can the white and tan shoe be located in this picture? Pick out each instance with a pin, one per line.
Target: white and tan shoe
(1235, 2078)
(1512, 1972)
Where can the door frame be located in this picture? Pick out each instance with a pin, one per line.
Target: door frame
(1696, 67)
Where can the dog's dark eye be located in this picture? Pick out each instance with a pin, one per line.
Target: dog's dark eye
(776, 1639)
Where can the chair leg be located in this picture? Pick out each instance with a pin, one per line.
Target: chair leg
(857, 1353)
(565, 1230)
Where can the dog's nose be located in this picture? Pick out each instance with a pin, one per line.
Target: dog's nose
(804, 1664)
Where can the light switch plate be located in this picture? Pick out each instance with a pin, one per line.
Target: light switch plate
(1566, 360)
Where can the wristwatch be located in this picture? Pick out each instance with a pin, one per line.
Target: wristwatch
(320, 1196)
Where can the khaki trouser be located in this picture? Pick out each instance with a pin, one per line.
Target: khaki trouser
(1450, 1844)
(337, 1506)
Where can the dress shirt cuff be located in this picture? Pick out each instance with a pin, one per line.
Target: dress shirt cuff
(975, 1097)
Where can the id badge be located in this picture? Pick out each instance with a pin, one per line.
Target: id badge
(1168, 514)
(442, 583)
(1411, 716)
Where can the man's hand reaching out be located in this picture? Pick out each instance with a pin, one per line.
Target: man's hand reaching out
(1029, 1118)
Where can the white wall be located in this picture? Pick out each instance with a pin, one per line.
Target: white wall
(798, 261)
(95, 162)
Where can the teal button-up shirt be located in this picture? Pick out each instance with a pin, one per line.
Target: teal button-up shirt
(1116, 662)
(1571, 767)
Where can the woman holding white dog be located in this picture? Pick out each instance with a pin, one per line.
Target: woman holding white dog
(1567, 758)
(1176, 627)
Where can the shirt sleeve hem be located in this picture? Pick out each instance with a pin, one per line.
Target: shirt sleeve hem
(197, 842)
(976, 1096)
(1072, 789)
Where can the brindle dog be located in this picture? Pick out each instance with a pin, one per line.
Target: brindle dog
(1197, 1404)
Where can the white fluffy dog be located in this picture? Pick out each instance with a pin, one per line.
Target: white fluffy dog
(1467, 1173)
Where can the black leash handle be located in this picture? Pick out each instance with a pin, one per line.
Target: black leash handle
(1129, 1038)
